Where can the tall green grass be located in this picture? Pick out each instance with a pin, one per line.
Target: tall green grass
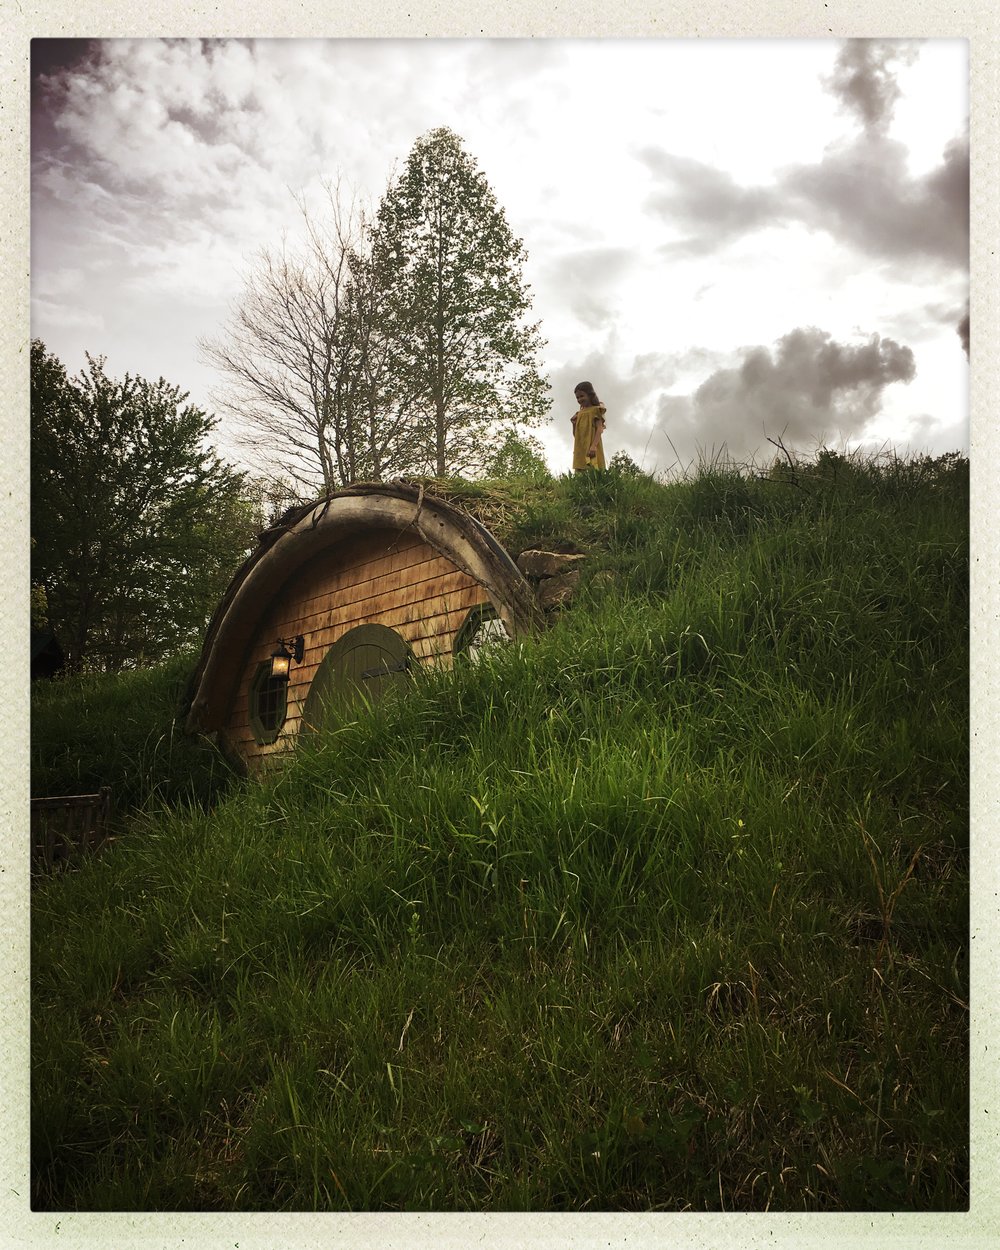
(664, 909)
(121, 730)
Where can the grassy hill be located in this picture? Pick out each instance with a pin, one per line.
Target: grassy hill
(664, 909)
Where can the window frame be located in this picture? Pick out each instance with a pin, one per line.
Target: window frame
(264, 735)
(475, 617)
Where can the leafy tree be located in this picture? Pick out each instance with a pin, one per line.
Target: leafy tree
(305, 360)
(454, 305)
(519, 455)
(389, 348)
(136, 526)
(39, 607)
(622, 463)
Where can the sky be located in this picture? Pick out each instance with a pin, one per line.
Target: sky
(737, 241)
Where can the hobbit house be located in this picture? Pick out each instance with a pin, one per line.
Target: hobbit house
(343, 597)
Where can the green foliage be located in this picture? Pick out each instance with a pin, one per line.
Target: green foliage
(455, 304)
(622, 462)
(120, 730)
(664, 909)
(136, 527)
(518, 456)
(39, 607)
(393, 347)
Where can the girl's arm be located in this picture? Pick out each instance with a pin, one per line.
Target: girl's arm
(599, 425)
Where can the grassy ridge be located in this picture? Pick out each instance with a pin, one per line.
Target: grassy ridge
(90, 730)
(665, 909)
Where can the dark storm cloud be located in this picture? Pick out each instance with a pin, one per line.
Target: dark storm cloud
(863, 80)
(809, 389)
(963, 331)
(53, 56)
(862, 195)
(586, 279)
(860, 192)
(51, 61)
(708, 200)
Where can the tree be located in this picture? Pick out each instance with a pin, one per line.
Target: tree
(453, 307)
(387, 348)
(136, 526)
(518, 455)
(305, 361)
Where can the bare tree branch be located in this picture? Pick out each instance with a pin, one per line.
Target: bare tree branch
(304, 362)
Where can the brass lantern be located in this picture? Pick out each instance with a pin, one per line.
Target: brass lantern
(281, 656)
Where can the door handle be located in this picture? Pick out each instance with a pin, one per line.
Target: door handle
(385, 670)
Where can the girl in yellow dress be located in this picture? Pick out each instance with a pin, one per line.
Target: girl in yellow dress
(588, 426)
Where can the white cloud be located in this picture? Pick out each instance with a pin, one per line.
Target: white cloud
(56, 313)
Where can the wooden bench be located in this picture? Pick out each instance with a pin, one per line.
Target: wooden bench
(64, 828)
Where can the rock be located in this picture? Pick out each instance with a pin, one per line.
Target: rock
(554, 591)
(546, 563)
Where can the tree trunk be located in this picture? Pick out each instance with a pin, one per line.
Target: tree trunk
(442, 466)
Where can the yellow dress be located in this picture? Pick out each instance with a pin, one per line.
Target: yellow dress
(583, 434)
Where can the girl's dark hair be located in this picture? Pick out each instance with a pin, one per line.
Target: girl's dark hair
(586, 386)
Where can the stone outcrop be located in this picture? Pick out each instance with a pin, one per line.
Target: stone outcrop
(554, 592)
(539, 564)
(554, 575)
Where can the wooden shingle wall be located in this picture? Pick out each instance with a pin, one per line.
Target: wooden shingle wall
(382, 578)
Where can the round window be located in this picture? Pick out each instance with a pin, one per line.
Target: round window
(481, 632)
(268, 698)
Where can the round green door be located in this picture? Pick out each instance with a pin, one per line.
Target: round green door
(361, 665)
